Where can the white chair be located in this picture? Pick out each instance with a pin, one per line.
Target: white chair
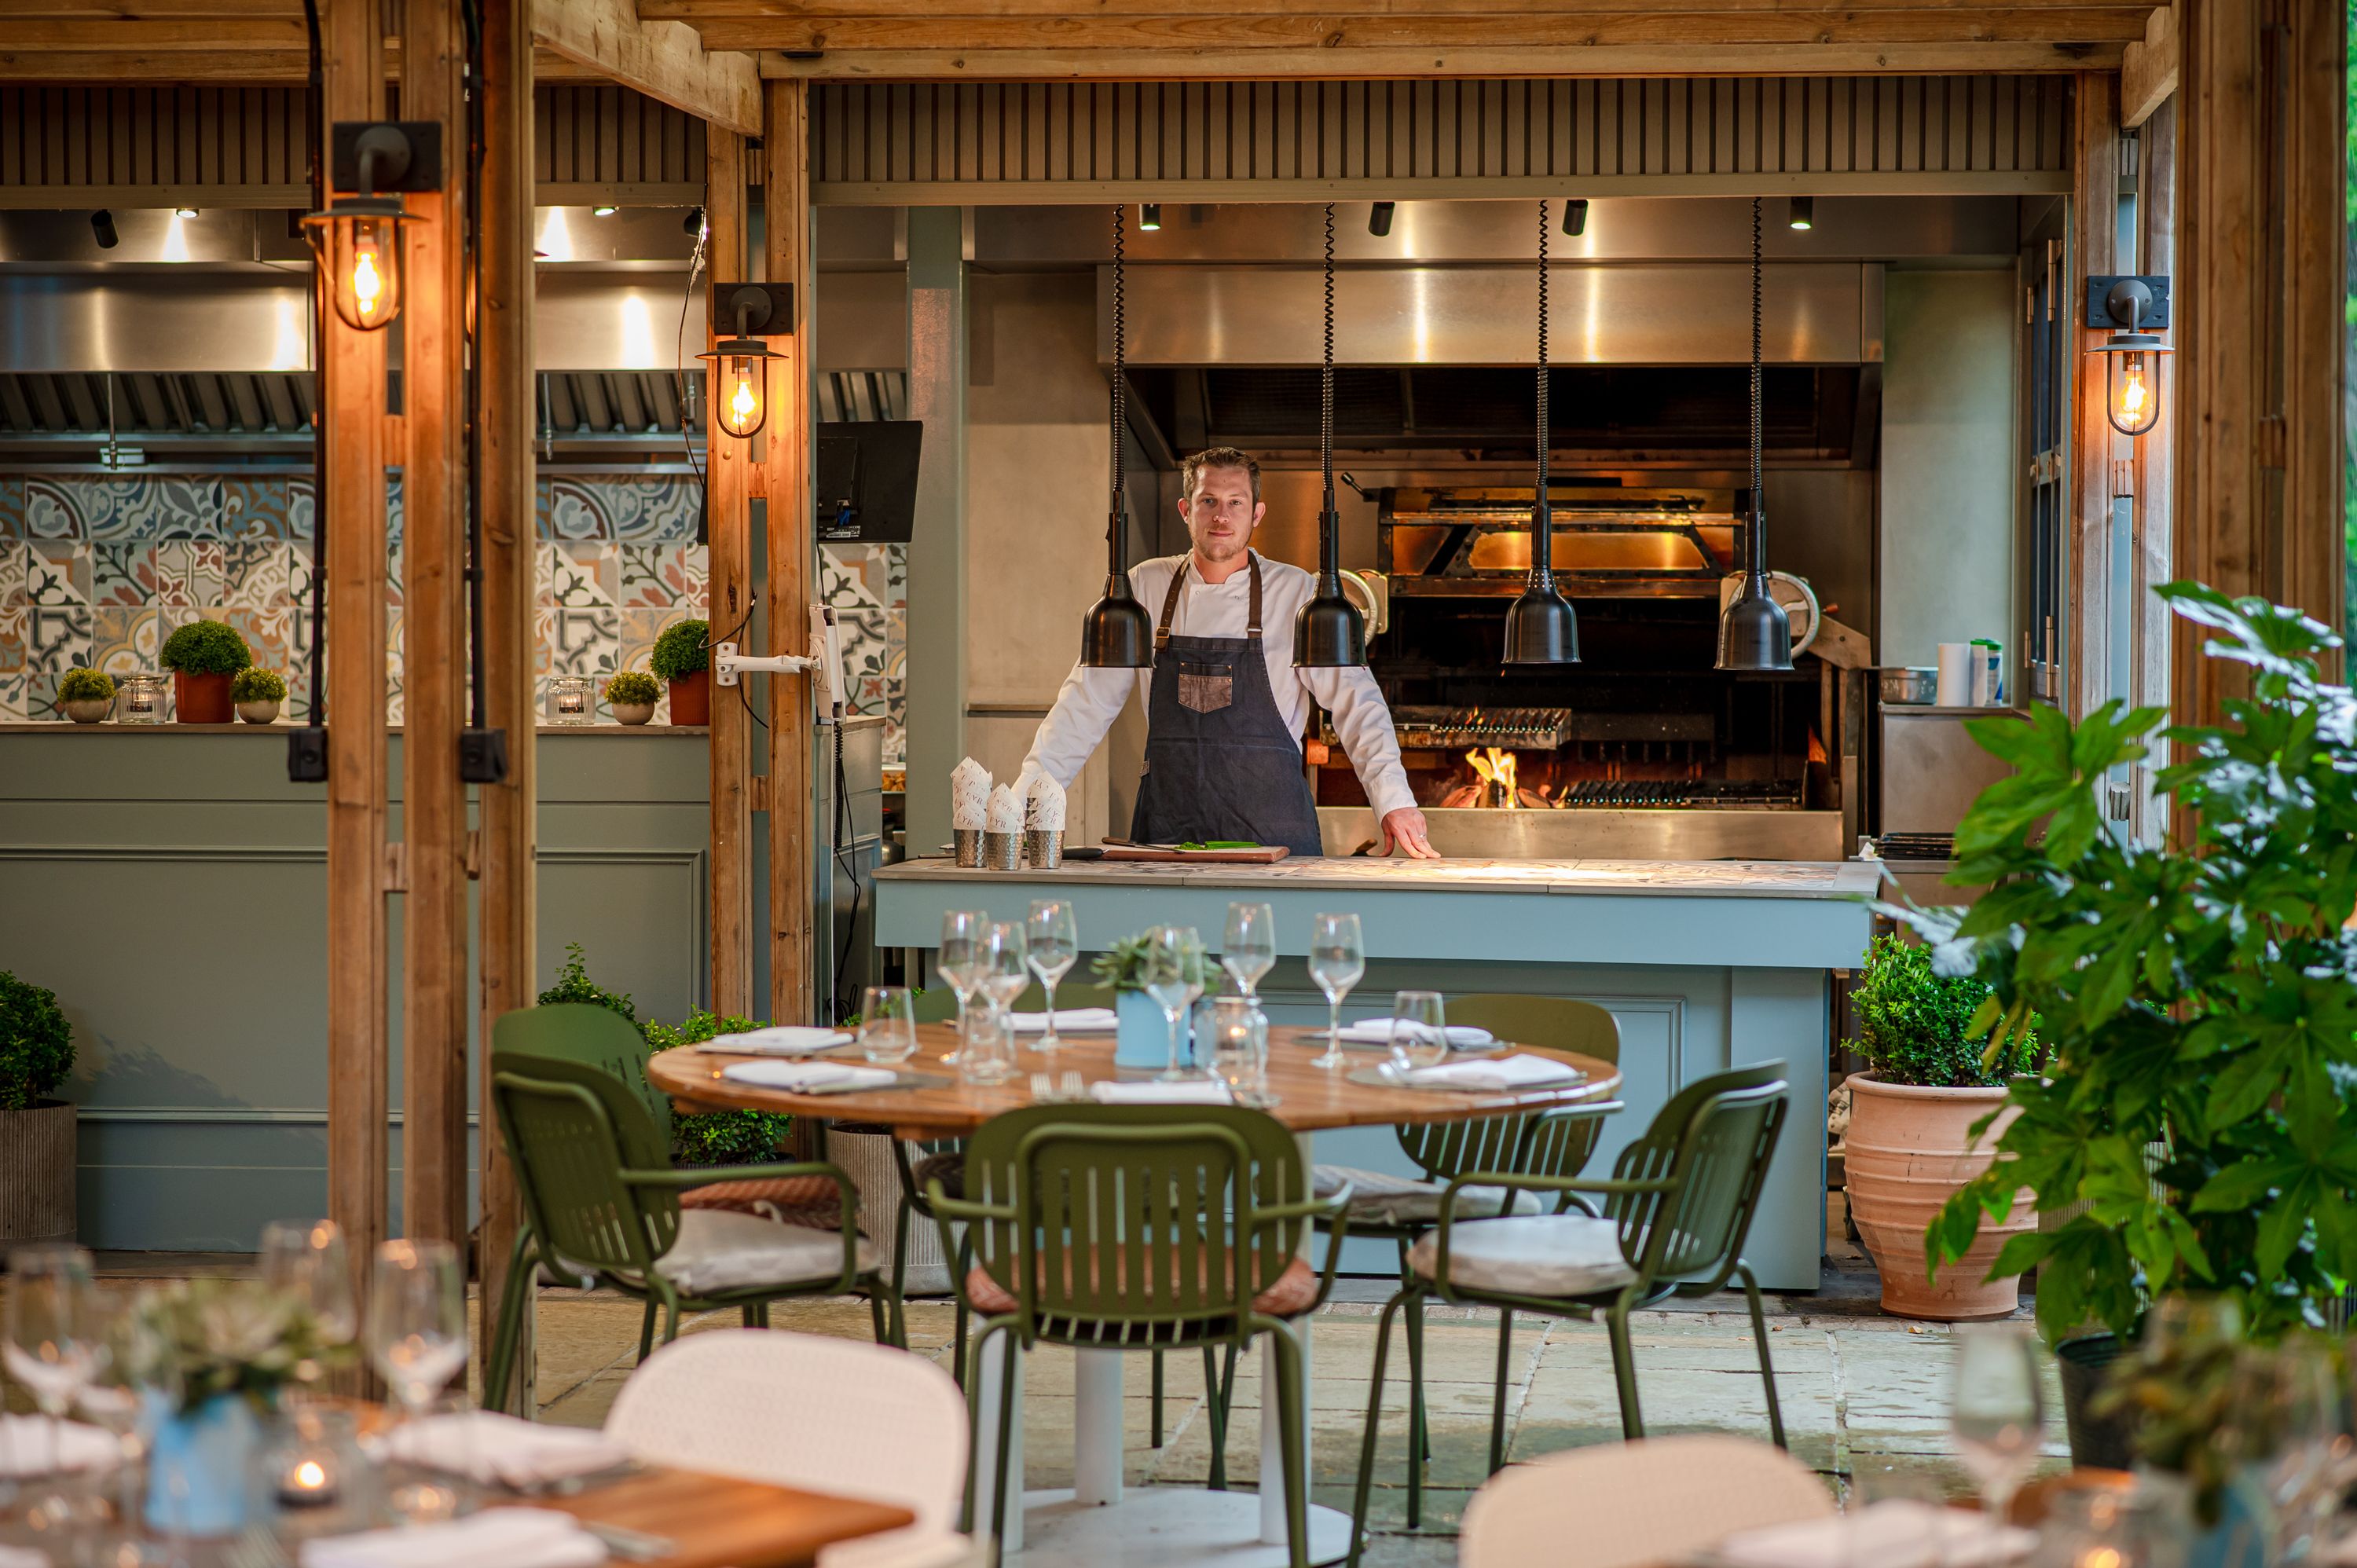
(1635, 1505)
(828, 1415)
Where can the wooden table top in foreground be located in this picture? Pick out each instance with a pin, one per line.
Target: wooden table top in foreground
(1310, 1098)
(718, 1522)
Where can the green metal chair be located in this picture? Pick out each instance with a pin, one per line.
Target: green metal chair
(1144, 1227)
(1676, 1211)
(592, 1162)
(1556, 1142)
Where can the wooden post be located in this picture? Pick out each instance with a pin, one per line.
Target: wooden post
(350, 504)
(786, 464)
(433, 1009)
(2095, 446)
(510, 538)
(2260, 150)
(729, 465)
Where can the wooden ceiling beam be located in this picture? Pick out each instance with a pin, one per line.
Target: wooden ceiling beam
(132, 66)
(2149, 69)
(700, 12)
(1150, 35)
(1382, 64)
(196, 34)
(665, 61)
(150, 10)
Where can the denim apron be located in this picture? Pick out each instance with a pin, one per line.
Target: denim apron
(1220, 763)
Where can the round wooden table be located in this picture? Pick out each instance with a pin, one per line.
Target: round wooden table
(1090, 1523)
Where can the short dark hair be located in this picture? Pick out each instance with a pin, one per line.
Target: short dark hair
(1192, 470)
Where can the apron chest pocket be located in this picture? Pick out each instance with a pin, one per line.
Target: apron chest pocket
(1205, 687)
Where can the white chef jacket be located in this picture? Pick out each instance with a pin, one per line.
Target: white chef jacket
(1093, 699)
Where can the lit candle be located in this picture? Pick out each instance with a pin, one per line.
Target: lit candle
(309, 1482)
(568, 702)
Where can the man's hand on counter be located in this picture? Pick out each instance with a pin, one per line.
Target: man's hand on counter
(1405, 828)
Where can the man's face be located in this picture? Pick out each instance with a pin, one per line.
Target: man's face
(1221, 514)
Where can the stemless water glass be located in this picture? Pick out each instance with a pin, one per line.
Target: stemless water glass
(1338, 960)
(1238, 1032)
(1249, 949)
(887, 1025)
(1172, 977)
(1053, 945)
(1996, 1408)
(1419, 1031)
(988, 1054)
(2299, 1401)
(417, 1337)
(52, 1347)
(959, 961)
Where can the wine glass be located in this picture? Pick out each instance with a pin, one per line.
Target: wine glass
(133, 1381)
(1003, 972)
(1419, 1031)
(52, 1346)
(1338, 960)
(1996, 1408)
(1171, 953)
(887, 1025)
(306, 1261)
(958, 960)
(1053, 940)
(417, 1337)
(1249, 949)
(2299, 1408)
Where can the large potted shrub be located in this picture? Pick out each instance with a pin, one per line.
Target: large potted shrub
(681, 657)
(1920, 1127)
(2197, 997)
(36, 1132)
(204, 657)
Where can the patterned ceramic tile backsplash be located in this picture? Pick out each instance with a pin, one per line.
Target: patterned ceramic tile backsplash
(99, 571)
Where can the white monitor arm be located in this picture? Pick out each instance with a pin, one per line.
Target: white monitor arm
(823, 663)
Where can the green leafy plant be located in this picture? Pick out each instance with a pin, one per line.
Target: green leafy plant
(258, 686)
(226, 1336)
(680, 651)
(36, 1048)
(717, 1137)
(1123, 965)
(573, 984)
(84, 685)
(2198, 996)
(205, 648)
(1914, 1023)
(632, 686)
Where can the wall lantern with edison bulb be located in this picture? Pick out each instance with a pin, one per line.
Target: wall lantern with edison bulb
(2129, 307)
(356, 237)
(740, 378)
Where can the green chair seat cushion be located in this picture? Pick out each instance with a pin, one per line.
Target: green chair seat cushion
(1380, 1198)
(1542, 1255)
(948, 1168)
(1293, 1292)
(722, 1250)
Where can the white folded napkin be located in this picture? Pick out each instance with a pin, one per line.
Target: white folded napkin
(1046, 811)
(969, 795)
(1069, 1021)
(778, 1040)
(1517, 1071)
(23, 1557)
(25, 1446)
(1899, 1533)
(1005, 812)
(487, 1446)
(1193, 1091)
(495, 1538)
(802, 1077)
(1378, 1032)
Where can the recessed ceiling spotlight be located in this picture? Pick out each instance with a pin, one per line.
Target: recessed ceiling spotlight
(184, 212)
(1379, 219)
(1803, 213)
(1575, 216)
(604, 212)
(1149, 215)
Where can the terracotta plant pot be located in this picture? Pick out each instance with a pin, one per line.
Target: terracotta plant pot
(90, 709)
(200, 699)
(690, 698)
(1908, 1150)
(37, 1174)
(634, 713)
(264, 711)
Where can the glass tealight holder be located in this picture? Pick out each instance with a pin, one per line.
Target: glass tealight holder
(1238, 1054)
(142, 699)
(572, 698)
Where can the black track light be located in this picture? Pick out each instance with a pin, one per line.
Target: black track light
(1575, 216)
(101, 224)
(1149, 217)
(1379, 219)
(1802, 213)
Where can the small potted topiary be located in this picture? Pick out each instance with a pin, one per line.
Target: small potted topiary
(86, 696)
(257, 694)
(681, 657)
(1142, 1034)
(203, 656)
(36, 1132)
(633, 694)
(1925, 1120)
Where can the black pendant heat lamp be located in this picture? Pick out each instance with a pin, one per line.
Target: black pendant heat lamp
(1753, 632)
(1541, 628)
(1330, 632)
(1118, 634)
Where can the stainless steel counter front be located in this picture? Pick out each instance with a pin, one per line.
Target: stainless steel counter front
(1585, 832)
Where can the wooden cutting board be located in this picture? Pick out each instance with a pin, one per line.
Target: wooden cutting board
(1261, 854)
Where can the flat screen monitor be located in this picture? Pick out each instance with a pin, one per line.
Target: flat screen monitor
(866, 480)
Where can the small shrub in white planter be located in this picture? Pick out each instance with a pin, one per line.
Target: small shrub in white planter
(258, 694)
(86, 696)
(632, 695)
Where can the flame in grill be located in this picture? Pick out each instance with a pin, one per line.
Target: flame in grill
(1495, 766)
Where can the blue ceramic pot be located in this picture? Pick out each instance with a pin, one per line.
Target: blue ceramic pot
(1142, 1038)
(200, 1466)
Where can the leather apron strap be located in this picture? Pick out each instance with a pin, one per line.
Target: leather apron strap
(1179, 578)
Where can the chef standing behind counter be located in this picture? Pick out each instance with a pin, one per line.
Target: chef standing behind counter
(1225, 705)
